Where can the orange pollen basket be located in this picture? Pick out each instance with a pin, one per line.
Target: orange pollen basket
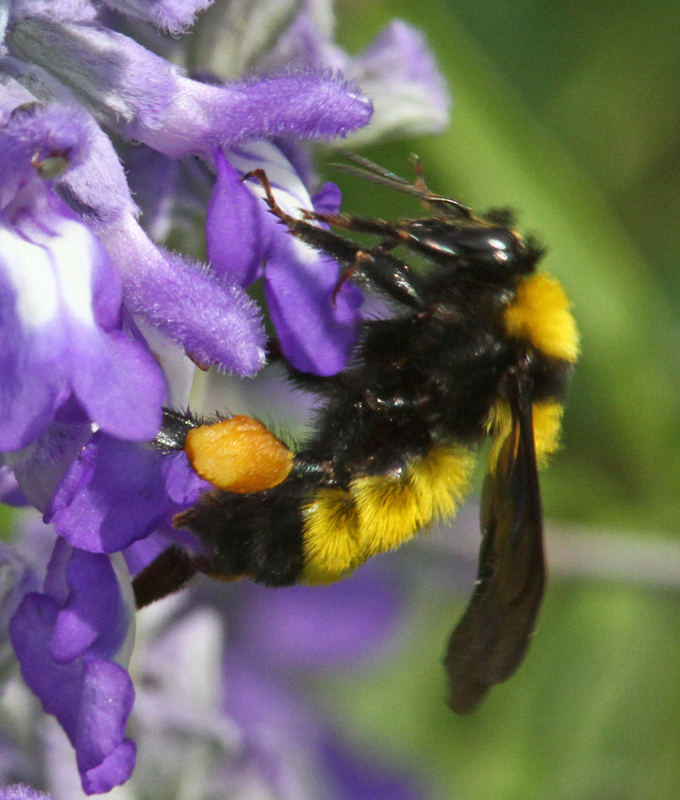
(238, 455)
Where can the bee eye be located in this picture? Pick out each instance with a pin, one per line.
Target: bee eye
(498, 250)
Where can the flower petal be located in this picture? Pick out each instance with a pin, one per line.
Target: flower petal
(114, 770)
(171, 15)
(94, 619)
(105, 758)
(311, 105)
(236, 232)
(113, 494)
(53, 344)
(91, 698)
(317, 332)
(115, 78)
(40, 467)
(398, 72)
(119, 385)
(166, 291)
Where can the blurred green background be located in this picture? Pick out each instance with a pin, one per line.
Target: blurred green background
(570, 114)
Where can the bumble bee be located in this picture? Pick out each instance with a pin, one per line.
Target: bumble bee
(481, 346)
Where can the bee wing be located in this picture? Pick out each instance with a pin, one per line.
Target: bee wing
(492, 637)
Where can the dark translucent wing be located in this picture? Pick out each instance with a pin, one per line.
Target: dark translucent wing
(492, 637)
(376, 174)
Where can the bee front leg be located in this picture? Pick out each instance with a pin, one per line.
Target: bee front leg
(376, 265)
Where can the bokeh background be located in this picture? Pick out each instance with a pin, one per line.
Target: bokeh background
(569, 114)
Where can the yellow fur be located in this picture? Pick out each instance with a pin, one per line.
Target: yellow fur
(547, 419)
(343, 529)
(378, 513)
(331, 544)
(547, 425)
(540, 314)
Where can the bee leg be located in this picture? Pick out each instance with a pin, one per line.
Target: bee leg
(376, 227)
(375, 265)
(166, 574)
(391, 275)
(347, 274)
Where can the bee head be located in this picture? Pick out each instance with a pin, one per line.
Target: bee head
(495, 254)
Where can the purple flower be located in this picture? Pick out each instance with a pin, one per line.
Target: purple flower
(316, 326)
(62, 53)
(67, 639)
(216, 706)
(396, 71)
(62, 325)
(101, 326)
(117, 492)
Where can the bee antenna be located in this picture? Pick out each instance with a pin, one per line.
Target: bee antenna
(376, 174)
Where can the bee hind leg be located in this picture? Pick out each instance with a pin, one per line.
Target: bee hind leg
(166, 574)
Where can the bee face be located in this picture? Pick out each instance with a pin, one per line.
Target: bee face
(492, 247)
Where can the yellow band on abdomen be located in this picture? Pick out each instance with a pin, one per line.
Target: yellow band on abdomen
(378, 513)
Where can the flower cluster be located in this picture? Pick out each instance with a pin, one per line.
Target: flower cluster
(102, 326)
(220, 710)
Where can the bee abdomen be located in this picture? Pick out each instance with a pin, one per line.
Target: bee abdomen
(344, 527)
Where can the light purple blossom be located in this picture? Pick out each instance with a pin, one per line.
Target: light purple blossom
(315, 325)
(117, 492)
(61, 297)
(396, 70)
(63, 55)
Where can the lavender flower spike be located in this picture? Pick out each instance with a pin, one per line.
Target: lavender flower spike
(397, 70)
(63, 52)
(88, 301)
(143, 97)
